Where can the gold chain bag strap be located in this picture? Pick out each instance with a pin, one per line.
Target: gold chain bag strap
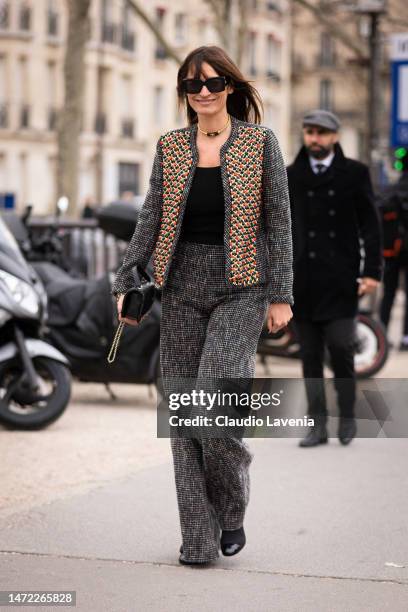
(137, 302)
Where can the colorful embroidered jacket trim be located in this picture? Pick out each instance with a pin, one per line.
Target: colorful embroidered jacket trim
(177, 160)
(244, 167)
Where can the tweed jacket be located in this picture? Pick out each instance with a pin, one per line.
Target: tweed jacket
(257, 225)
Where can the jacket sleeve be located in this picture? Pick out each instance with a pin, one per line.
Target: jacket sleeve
(278, 223)
(144, 238)
(369, 226)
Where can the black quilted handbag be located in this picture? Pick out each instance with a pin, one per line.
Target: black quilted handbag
(137, 302)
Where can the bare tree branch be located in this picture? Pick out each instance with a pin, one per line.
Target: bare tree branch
(242, 33)
(155, 30)
(333, 28)
(222, 21)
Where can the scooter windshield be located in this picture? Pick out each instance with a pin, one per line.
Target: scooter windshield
(8, 243)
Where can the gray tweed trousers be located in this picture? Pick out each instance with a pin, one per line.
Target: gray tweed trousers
(208, 330)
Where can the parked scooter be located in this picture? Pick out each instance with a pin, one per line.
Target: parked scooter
(35, 382)
(82, 319)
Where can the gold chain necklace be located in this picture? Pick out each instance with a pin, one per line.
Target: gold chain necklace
(217, 132)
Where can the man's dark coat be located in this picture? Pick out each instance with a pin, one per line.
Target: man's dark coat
(330, 213)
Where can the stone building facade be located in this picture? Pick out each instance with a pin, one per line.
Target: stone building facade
(129, 91)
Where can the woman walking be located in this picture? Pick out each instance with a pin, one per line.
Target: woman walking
(217, 220)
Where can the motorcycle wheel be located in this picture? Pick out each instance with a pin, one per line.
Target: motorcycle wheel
(17, 409)
(371, 347)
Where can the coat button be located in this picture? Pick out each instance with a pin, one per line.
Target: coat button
(312, 233)
(331, 192)
(332, 234)
(332, 212)
(310, 193)
(312, 254)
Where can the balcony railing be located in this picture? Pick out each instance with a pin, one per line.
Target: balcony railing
(128, 128)
(25, 116)
(25, 18)
(52, 23)
(3, 115)
(100, 123)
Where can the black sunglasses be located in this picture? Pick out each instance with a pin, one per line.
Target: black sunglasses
(214, 84)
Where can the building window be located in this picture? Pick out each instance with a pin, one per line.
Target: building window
(129, 174)
(327, 54)
(108, 33)
(22, 92)
(4, 15)
(274, 5)
(127, 30)
(52, 95)
(100, 123)
(52, 118)
(180, 29)
(158, 105)
(326, 94)
(3, 115)
(160, 52)
(25, 116)
(127, 121)
(252, 53)
(52, 18)
(3, 93)
(4, 178)
(103, 100)
(128, 128)
(24, 18)
(273, 58)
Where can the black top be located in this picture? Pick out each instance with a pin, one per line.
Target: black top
(203, 219)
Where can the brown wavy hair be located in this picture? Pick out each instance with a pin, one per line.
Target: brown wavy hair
(244, 103)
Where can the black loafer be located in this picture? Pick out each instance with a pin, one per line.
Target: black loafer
(232, 542)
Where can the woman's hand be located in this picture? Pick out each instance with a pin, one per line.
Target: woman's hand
(125, 319)
(278, 317)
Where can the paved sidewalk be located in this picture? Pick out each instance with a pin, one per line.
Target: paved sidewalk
(326, 532)
(89, 505)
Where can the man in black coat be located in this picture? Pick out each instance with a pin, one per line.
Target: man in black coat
(394, 209)
(332, 206)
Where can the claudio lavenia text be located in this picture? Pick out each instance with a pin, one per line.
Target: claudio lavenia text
(248, 421)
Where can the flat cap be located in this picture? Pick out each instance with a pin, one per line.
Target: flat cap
(322, 118)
